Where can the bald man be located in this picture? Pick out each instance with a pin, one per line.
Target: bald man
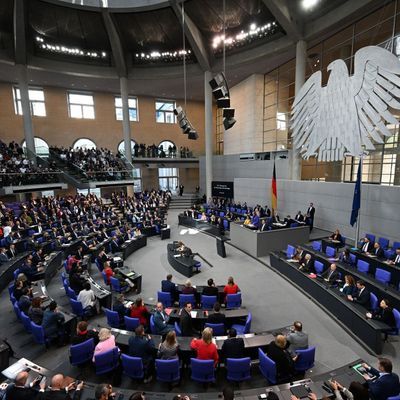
(18, 391)
(58, 392)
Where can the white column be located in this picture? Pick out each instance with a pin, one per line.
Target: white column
(26, 109)
(301, 57)
(208, 131)
(126, 125)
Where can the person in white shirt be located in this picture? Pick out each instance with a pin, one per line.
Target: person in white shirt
(7, 229)
(87, 298)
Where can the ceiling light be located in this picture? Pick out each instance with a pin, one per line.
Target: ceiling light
(229, 122)
(308, 4)
(253, 27)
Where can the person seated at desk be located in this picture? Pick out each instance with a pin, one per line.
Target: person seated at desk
(57, 391)
(53, 323)
(185, 321)
(76, 280)
(31, 271)
(395, 259)
(331, 275)
(119, 307)
(344, 256)
(19, 390)
(35, 312)
(203, 217)
(247, 221)
(168, 349)
(161, 319)
(299, 217)
(216, 317)
(210, 289)
(265, 225)
(102, 257)
(142, 345)
(168, 286)
(80, 254)
(377, 251)
(115, 248)
(205, 348)
(20, 283)
(307, 265)
(299, 255)
(296, 339)
(284, 361)
(12, 251)
(255, 221)
(106, 342)
(88, 299)
(231, 287)
(139, 310)
(362, 296)
(83, 333)
(336, 236)
(109, 272)
(232, 347)
(188, 288)
(25, 301)
(137, 232)
(384, 314)
(3, 256)
(366, 246)
(349, 288)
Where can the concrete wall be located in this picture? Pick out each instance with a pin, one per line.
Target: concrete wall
(247, 99)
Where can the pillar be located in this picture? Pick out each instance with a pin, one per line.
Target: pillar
(208, 131)
(26, 108)
(301, 57)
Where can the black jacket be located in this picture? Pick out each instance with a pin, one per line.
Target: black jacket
(333, 278)
(232, 348)
(216, 318)
(283, 361)
(363, 298)
(385, 315)
(20, 393)
(210, 291)
(58, 395)
(186, 324)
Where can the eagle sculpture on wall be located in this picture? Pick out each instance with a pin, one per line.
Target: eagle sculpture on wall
(349, 114)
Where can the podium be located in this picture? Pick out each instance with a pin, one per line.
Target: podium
(221, 247)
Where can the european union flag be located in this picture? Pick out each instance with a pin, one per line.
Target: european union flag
(356, 198)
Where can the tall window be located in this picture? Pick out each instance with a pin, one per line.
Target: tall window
(36, 102)
(121, 146)
(41, 147)
(168, 179)
(165, 112)
(133, 111)
(165, 145)
(84, 144)
(81, 105)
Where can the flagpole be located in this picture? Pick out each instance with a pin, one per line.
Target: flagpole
(359, 213)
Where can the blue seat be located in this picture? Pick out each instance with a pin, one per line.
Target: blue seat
(77, 308)
(81, 353)
(374, 301)
(221, 214)
(202, 370)
(131, 323)
(362, 266)
(343, 241)
(132, 366)
(207, 302)
(371, 237)
(107, 361)
(26, 321)
(12, 298)
(98, 265)
(319, 267)
(384, 243)
(38, 334)
(152, 326)
(396, 245)
(168, 370)
(103, 274)
(388, 253)
(394, 397)
(290, 251)
(316, 245)
(383, 276)
(117, 287)
(70, 293)
(186, 298)
(242, 329)
(218, 329)
(112, 318)
(305, 359)
(330, 251)
(178, 329)
(396, 329)
(197, 266)
(16, 273)
(234, 300)
(353, 259)
(238, 369)
(11, 288)
(17, 310)
(226, 224)
(165, 298)
(267, 367)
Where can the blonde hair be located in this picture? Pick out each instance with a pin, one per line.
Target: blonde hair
(188, 283)
(170, 339)
(207, 335)
(104, 334)
(280, 341)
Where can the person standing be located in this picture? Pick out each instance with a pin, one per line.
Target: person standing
(310, 215)
(181, 187)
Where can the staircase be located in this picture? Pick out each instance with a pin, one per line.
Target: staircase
(183, 202)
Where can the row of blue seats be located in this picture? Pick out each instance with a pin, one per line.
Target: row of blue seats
(384, 243)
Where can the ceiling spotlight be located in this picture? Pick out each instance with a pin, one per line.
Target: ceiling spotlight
(217, 81)
(307, 4)
(193, 135)
(228, 113)
(229, 122)
(253, 27)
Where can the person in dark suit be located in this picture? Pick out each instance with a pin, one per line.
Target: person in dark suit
(366, 246)
(362, 296)
(161, 320)
(57, 391)
(344, 257)
(378, 251)
(310, 215)
(24, 301)
(396, 258)
(210, 289)
(185, 322)
(169, 287)
(19, 390)
(384, 314)
(336, 236)
(52, 323)
(216, 317)
(264, 226)
(37, 257)
(12, 251)
(299, 217)
(331, 275)
(3, 256)
(307, 264)
(232, 347)
(277, 352)
(114, 245)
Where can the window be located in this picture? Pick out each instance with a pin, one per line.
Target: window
(121, 147)
(132, 104)
(165, 145)
(85, 192)
(81, 105)
(168, 179)
(36, 102)
(84, 144)
(41, 147)
(165, 112)
(281, 121)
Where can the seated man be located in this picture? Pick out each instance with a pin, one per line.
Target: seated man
(186, 323)
(378, 251)
(210, 289)
(53, 323)
(32, 272)
(216, 317)
(161, 320)
(396, 258)
(331, 275)
(307, 264)
(366, 246)
(232, 347)
(3, 256)
(168, 286)
(296, 339)
(362, 297)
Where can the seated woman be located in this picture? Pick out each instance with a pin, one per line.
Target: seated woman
(349, 287)
(231, 287)
(203, 217)
(83, 333)
(344, 256)
(277, 352)
(106, 342)
(137, 232)
(168, 349)
(36, 311)
(336, 236)
(139, 310)
(188, 288)
(247, 221)
(205, 348)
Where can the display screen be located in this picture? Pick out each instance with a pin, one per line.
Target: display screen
(222, 189)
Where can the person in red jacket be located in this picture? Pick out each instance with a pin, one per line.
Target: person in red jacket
(139, 310)
(231, 287)
(205, 348)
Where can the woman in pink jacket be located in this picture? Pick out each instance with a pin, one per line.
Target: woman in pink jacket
(106, 342)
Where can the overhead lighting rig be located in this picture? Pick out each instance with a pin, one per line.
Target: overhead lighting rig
(185, 124)
(220, 92)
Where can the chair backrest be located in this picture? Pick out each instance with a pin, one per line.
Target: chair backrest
(343, 240)
(112, 318)
(330, 251)
(178, 329)
(316, 245)
(38, 333)
(234, 300)
(168, 370)
(16, 273)
(152, 325)
(186, 298)
(77, 307)
(98, 265)
(132, 366)
(319, 267)
(70, 293)
(373, 301)
(370, 236)
(267, 367)
(115, 285)
(226, 224)
(103, 274)
(17, 310)
(26, 322)
(362, 266)
(396, 245)
(247, 325)
(165, 298)
(81, 353)
(107, 361)
(238, 369)
(394, 397)
(290, 251)
(353, 259)
(382, 275)
(218, 329)
(396, 314)
(306, 359)
(208, 302)
(294, 224)
(384, 242)
(202, 370)
(131, 323)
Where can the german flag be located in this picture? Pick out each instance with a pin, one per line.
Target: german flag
(274, 192)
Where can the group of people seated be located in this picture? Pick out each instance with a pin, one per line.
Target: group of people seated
(17, 169)
(154, 151)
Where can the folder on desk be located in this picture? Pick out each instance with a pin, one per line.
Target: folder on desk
(193, 314)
